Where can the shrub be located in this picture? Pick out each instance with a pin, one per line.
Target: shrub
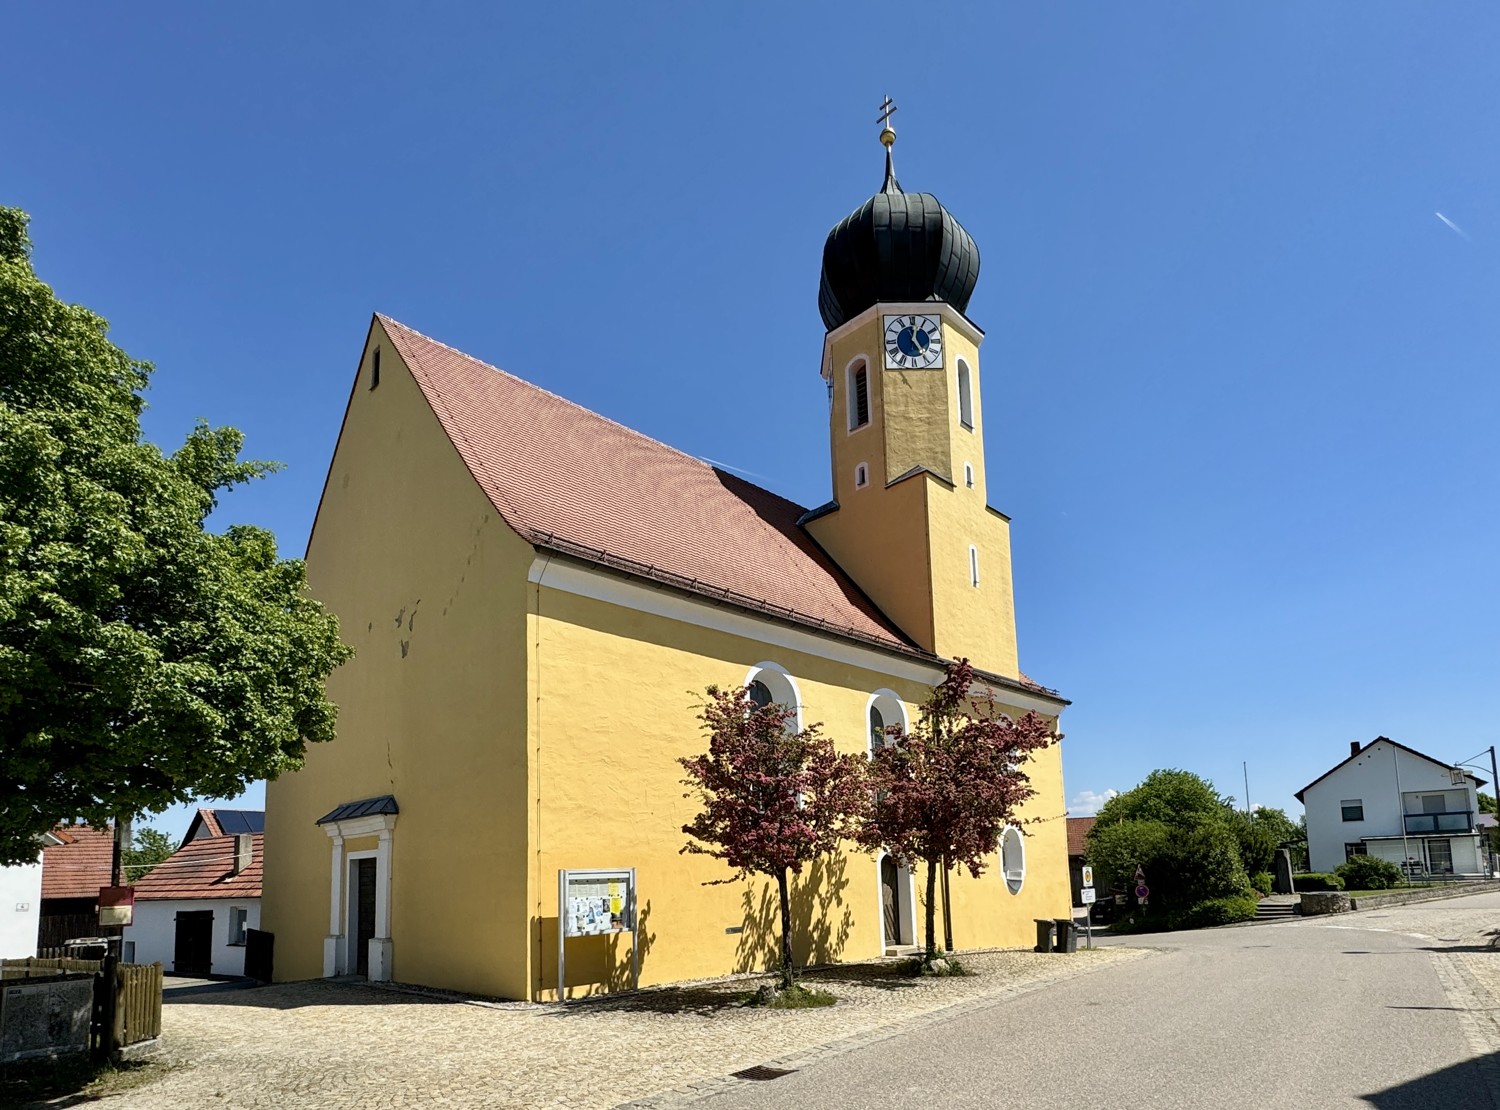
(1317, 880)
(1218, 911)
(1368, 873)
(1261, 881)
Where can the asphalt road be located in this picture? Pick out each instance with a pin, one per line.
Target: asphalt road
(1350, 1011)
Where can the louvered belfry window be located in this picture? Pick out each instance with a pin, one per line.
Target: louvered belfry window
(861, 408)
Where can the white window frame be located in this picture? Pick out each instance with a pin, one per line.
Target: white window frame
(1015, 877)
(783, 689)
(243, 923)
(861, 475)
(974, 566)
(965, 396)
(969, 474)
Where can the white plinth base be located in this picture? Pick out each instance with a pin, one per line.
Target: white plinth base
(380, 960)
(332, 945)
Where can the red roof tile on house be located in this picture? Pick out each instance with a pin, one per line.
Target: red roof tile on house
(560, 474)
(1078, 831)
(80, 865)
(204, 868)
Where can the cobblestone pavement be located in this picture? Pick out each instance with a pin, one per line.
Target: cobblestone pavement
(326, 1045)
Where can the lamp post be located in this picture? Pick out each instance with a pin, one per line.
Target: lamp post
(1495, 785)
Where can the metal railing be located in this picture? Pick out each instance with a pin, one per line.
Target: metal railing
(1459, 820)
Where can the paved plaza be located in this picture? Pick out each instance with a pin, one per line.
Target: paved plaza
(327, 1045)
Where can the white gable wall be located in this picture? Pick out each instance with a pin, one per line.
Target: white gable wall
(154, 931)
(20, 909)
(1371, 778)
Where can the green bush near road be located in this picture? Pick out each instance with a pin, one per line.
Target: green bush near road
(1368, 873)
(1316, 880)
(1261, 881)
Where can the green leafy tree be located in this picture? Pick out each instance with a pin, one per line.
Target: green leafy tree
(148, 848)
(1189, 842)
(1256, 840)
(1178, 798)
(143, 659)
(1486, 803)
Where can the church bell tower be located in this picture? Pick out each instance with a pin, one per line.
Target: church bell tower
(909, 520)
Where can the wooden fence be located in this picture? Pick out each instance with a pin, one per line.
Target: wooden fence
(131, 1011)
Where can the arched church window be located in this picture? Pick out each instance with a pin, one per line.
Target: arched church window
(965, 396)
(760, 694)
(1013, 858)
(859, 396)
(886, 711)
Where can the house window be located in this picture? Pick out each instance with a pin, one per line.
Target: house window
(965, 396)
(877, 729)
(1353, 809)
(1358, 849)
(375, 369)
(861, 476)
(973, 566)
(760, 694)
(969, 475)
(859, 397)
(238, 917)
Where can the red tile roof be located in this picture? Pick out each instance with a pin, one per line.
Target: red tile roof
(203, 868)
(552, 468)
(1078, 830)
(564, 477)
(79, 866)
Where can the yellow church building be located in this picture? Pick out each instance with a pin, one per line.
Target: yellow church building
(534, 593)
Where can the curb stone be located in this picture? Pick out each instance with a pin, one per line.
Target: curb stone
(690, 1094)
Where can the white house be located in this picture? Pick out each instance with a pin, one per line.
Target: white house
(1391, 801)
(21, 904)
(192, 911)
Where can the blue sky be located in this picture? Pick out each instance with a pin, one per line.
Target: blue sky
(1240, 378)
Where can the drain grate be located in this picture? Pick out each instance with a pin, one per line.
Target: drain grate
(761, 1073)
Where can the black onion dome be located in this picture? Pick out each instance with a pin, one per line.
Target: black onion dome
(896, 247)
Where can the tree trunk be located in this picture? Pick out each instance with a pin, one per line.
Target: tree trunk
(931, 910)
(786, 930)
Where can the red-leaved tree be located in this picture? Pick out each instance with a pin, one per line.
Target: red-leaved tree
(773, 799)
(945, 791)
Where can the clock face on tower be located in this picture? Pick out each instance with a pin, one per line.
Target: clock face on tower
(913, 342)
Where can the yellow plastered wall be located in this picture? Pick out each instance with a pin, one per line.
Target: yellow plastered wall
(429, 584)
(615, 693)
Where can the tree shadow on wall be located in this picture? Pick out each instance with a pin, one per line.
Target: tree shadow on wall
(821, 922)
(595, 964)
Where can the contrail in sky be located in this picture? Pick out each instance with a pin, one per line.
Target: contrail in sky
(1453, 225)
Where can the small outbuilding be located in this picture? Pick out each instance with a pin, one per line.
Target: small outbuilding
(193, 910)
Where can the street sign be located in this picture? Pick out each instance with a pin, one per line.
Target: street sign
(1142, 891)
(1088, 896)
(1140, 873)
(1088, 876)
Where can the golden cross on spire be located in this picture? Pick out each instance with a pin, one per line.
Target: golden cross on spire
(887, 132)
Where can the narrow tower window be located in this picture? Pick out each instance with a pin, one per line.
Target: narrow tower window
(965, 396)
(973, 565)
(859, 397)
(375, 369)
(861, 476)
(969, 475)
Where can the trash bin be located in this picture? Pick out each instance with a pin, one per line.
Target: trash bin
(1045, 928)
(1067, 935)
